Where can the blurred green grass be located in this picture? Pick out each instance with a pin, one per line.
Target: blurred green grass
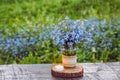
(26, 12)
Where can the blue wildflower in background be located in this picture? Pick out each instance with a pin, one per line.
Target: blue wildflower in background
(67, 34)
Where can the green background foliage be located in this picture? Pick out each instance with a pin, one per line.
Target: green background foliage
(23, 17)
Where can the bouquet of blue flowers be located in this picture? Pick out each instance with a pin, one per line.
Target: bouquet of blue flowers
(68, 33)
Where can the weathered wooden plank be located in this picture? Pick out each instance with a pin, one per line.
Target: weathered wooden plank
(92, 71)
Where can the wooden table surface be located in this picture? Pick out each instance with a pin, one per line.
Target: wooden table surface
(92, 71)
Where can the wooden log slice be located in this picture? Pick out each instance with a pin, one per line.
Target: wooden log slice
(76, 71)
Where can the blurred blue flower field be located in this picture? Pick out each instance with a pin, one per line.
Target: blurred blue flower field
(27, 28)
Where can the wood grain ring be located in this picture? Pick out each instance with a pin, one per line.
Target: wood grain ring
(76, 71)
